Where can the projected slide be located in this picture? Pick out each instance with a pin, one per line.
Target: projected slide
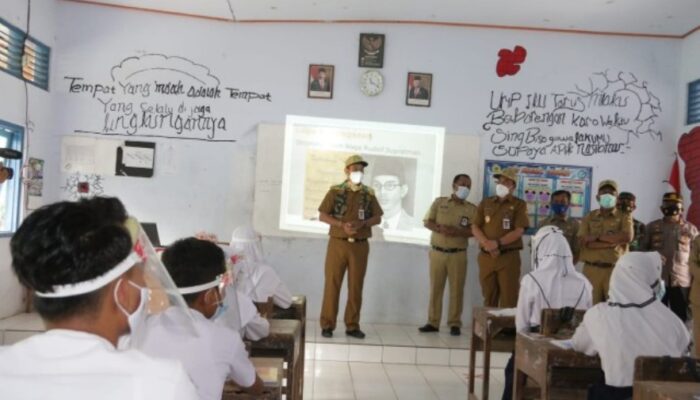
(405, 168)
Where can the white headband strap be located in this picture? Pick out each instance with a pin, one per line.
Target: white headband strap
(75, 289)
(244, 240)
(200, 288)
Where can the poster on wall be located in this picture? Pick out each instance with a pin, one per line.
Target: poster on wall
(537, 182)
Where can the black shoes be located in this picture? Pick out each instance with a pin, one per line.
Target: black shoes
(327, 333)
(455, 331)
(356, 333)
(428, 328)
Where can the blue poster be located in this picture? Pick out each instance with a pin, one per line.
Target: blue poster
(537, 182)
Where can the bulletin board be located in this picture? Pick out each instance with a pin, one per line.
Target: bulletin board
(537, 182)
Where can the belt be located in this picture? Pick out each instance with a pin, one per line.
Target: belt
(353, 240)
(502, 250)
(600, 264)
(452, 250)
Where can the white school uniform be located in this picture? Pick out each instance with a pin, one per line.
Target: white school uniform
(250, 324)
(553, 283)
(215, 355)
(71, 365)
(632, 323)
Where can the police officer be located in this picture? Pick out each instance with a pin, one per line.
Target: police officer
(604, 235)
(627, 202)
(499, 225)
(671, 236)
(560, 218)
(351, 209)
(450, 219)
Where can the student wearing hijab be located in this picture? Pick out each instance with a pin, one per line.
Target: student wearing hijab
(254, 277)
(553, 283)
(216, 353)
(88, 278)
(632, 323)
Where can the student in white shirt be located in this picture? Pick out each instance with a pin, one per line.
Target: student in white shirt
(632, 323)
(216, 353)
(89, 285)
(553, 283)
(254, 277)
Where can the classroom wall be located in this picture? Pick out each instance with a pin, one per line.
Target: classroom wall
(205, 185)
(12, 109)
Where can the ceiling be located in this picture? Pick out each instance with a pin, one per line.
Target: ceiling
(647, 17)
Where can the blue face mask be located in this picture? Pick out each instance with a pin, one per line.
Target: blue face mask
(659, 289)
(220, 310)
(560, 209)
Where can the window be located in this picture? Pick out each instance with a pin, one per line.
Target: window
(11, 136)
(23, 56)
(693, 103)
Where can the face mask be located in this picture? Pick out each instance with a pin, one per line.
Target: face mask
(462, 192)
(356, 177)
(607, 201)
(220, 310)
(502, 191)
(659, 289)
(560, 209)
(670, 211)
(138, 317)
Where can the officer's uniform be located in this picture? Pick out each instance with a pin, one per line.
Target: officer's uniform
(500, 276)
(346, 205)
(694, 267)
(673, 240)
(599, 263)
(639, 230)
(448, 258)
(569, 226)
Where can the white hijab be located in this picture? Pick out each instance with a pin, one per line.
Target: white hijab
(633, 322)
(254, 277)
(553, 283)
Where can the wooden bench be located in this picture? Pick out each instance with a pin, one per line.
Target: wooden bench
(667, 369)
(270, 370)
(655, 390)
(551, 324)
(296, 311)
(284, 341)
(489, 333)
(559, 373)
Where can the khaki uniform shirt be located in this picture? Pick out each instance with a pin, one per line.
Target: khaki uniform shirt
(694, 266)
(597, 224)
(450, 212)
(346, 205)
(673, 242)
(570, 228)
(497, 217)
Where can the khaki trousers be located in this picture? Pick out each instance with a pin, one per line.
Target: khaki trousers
(500, 279)
(450, 267)
(600, 280)
(340, 256)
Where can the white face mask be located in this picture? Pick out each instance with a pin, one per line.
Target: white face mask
(462, 192)
(356, 177)
(502, 191)
(138, 317)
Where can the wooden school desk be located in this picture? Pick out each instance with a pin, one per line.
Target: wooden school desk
(655, 390)
(284, 341)
(296, 311)
(270, 370)
(487, 336)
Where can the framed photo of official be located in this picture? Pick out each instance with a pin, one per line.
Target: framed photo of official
(419, 89)
(320, 81)
(371, 50)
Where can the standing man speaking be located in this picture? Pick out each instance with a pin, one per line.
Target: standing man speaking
(351, 209)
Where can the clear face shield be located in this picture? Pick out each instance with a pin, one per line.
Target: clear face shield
(160, 298)
(228, 312)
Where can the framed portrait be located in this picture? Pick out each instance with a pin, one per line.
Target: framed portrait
(371, 50)
(419, 90)
(320, 81)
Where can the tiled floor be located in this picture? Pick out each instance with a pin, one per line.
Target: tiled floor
(393, 362)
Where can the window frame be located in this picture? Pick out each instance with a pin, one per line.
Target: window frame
(15, 135)
(693, 116)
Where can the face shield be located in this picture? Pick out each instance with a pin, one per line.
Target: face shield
(229, 313)
(245, 242)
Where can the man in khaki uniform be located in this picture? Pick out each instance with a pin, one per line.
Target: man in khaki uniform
(449, 218)
(694, 266)
(351, 209)
(604, 234)
(671, 237)
(560, 218)
(499, 225)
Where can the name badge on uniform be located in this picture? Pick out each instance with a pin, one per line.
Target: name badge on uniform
(361, 214)
(464, 222)
(506, 223)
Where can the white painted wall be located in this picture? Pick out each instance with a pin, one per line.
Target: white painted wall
(12, 109)
(213, 186)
